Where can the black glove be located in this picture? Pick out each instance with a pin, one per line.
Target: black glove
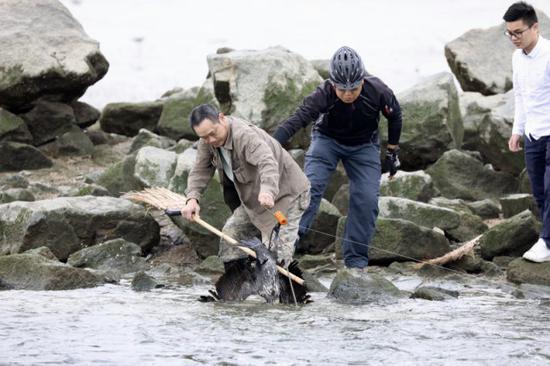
(392, 163)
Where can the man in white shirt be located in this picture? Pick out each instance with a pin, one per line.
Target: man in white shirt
(531, 78)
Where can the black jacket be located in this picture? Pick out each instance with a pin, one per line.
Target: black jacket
(349, 124)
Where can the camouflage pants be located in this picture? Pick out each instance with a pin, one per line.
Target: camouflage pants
(239, 227)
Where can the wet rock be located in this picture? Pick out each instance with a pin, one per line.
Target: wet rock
(148, 138)
(15, 194)
(486, 209)
(15, 156)
(523, 271)
(74, 142)
(474, 264)
(154, 167)
(350, 288)
(53, 58)
(487, 127)
(264, 86)
(118, 255)
(516, 203)
(470, 227)
(432, 271)
(68, 224)
(128, 118)
(433, 293)
(532, 292)
(312, 261)
(502, 260)
(401, 240)
(512, 237)
(481, 58)
(212, 265)
(48, 120)
(13, 128)
(422, 214)
(458, 175)
(416, 186)
(434, 122)
(312, 283)
(174, 120)
(36, 272)
(322, 230)
(144, 282)
(85, 115)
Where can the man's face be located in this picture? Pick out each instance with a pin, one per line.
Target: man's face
(521, 35)
(213, 134)
(348, 96)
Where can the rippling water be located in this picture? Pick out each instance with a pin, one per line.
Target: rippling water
(115, 325)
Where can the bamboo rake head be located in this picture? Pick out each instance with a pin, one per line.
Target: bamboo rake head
(158, 197)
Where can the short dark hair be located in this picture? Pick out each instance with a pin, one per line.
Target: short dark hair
(202, 112)
(521, 10)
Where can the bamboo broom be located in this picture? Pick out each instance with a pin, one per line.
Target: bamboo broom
(165, 199)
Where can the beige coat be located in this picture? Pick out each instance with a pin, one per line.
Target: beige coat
(259, 164)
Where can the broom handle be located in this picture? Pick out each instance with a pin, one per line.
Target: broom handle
(248, 251)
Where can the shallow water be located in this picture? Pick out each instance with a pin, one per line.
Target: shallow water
(114, 325)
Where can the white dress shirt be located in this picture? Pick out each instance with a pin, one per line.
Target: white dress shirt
(531, 79)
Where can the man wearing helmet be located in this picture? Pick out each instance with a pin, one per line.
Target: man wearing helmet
(346, 110)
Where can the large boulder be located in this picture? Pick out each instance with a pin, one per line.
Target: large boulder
(459, 175)
(45, 52)
(420, 213)
(522, 271)
(119, 178)
(84, 114)
(128, 118)
(264, 86)
(323, 229)
(416, 186)
(174, 119)
(74, 142)
(488, 126)
(433, 121)
(148, 138)
(47, 120)
(154, 166)
(31, 271)
(68, 224)
(481, 59)
(512, 237)
(16, 156)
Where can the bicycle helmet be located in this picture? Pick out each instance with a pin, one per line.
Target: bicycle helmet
(346, 70)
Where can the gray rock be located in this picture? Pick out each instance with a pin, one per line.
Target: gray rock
(420, 213)
(263, 86)
(523, 271)
(117, 254)
(488, 126)
(458, 175)
(340, 227)
(338, 179)
(43, 251)
(512, 237)
(433, 293)
(15, 156)
(524, 182)
(53, 58)
(348, 288)
(74, 142)
(486, 209)
(174, 120)
(154, 167)
(13, 128)
(148, 138)
(48, 120)
(322, 230)
(85, 115)
(516, 203)
(68, 224)
(434, 122)
(35, 272)
(128, 118)
(143, 282)
(119, 178)
(470, 227)
(481, 59)
(182, 145)
(416, 186)
(88, 189)
(455, 204)
(15, 194)
(340, 200)
(211, 265)
(321, 66)
(532, 292)
(14, 181)
(312, 261)
(312, 283)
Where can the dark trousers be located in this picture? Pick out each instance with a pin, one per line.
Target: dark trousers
(537, 161)
(362, 165)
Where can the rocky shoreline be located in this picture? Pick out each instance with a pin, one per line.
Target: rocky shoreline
(64, 166)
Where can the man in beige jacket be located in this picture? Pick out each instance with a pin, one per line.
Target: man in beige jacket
(258, 177)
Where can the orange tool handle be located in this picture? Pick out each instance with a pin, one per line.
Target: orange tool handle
(280, 217)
